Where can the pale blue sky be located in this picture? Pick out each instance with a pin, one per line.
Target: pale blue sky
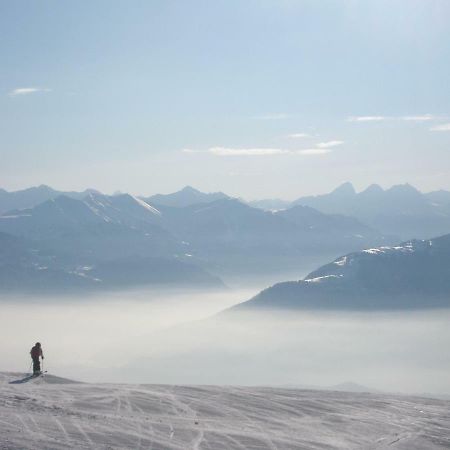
(147, 96)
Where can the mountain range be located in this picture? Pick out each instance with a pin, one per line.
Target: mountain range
(401, 210)
(92, 243)
(229, 236)
(219, 236)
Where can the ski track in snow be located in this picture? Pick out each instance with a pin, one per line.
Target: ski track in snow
(51, 413)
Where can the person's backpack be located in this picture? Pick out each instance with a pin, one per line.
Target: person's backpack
(35, 352)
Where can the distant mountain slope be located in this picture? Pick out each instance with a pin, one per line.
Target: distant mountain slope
(440, 201)
(270, 204)
(401, 210)
(28, 198)
(237, 237)
(151, 271)
(225, 220)
(99, 242)
(310, 219)
(186, 197)
(224, 236)
(25, 268)
(12, 249)
(98, 227)
(415, 274)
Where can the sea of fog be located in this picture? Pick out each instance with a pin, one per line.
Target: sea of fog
(160, 337)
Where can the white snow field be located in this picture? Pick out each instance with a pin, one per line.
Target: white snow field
(53, 413)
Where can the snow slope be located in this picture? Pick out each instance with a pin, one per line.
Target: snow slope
(54, 413)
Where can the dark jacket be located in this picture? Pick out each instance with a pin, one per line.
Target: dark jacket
(36, 352)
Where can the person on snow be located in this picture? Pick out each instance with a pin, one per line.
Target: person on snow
(37, 353)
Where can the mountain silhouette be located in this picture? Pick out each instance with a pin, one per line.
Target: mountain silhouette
(185, 197)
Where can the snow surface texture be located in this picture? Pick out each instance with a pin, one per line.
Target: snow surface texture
(54, 413)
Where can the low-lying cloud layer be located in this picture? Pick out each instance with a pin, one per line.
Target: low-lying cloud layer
(150, 337)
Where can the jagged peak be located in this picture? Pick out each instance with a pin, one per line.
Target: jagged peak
(41, 187)
(345, 189)
(373, 189)
(190, 189)
(403, 188)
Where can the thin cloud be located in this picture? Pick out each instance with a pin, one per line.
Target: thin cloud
(443, 127)
(329, 144)
(298, 135)
(423, 118)
(259, 151)
(27, 91)
(413, 118)
(366, 118)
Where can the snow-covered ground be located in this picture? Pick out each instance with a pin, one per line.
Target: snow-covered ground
(54, 413)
